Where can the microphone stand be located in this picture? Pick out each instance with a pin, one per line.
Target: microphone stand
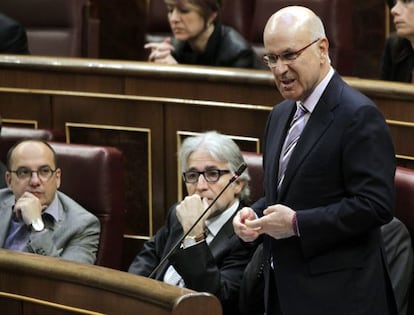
(236, 175)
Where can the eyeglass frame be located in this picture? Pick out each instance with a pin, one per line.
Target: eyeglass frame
(220, 173)
(53, 171)
(282, 57)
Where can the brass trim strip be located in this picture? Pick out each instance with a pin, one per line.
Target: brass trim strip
(404, 157)
(399, 123)
(137, 237)
(34, 123)
(50, 304)
(137, 98)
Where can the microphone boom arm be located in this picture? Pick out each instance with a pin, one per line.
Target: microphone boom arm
(236, 175)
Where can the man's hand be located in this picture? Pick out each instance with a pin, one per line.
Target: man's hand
(189, 210)
(276, 222)
(245, 232)
(28, 208)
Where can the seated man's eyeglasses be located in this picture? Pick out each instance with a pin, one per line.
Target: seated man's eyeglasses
(213, 175)
(287, 57)
(44, 173)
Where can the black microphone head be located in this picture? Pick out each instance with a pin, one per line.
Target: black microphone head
(239, 171)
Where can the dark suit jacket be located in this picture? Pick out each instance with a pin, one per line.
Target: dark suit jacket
(217, 268)
(13, 39)
(398, 60)
(340, 180)
(400, 258)
(75, 236)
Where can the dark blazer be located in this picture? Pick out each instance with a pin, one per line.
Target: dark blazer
(225, 48)
(400, 257)
(13, 38)
(217, 268)
(398, 60)
(340, 180)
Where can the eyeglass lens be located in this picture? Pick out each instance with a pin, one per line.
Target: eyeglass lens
(44, 173)
(209, 175)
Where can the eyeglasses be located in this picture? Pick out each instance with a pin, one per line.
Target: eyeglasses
(213, 175)
(288, 57)
(44, 173)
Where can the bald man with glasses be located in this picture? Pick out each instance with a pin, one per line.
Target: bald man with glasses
(329, 166)
(37, 218)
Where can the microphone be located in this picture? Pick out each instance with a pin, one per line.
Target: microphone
(236, 175)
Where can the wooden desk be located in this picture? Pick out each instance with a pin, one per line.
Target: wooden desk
(146, 109)
(34, 284)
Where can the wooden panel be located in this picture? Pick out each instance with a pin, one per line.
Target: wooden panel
(135, 143)
(25, 106)
(62, 80)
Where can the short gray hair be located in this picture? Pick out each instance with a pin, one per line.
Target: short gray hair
(221, 148)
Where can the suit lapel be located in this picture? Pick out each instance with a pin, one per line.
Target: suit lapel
(5, 217)
(176, 235)
(219, 243)
(320, 120)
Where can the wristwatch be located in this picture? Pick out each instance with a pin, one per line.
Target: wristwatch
(38, 225)
(191, 240)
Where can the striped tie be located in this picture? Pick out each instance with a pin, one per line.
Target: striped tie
(295, 130)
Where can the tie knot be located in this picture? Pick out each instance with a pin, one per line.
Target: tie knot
(301, 107)
(300, 111)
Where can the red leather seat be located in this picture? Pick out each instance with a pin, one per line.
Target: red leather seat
(238, 14)
(10, 135)
(157, 21)
(404, 204)
(255, 168)
(56, 27)
(93, 176)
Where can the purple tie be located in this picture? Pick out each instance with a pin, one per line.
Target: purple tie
(295, 130)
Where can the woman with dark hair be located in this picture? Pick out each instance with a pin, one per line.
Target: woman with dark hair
(398, 56)
(199, 38)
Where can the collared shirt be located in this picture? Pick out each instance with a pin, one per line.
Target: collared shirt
(19, 233)
(215, 224)
(313, 99)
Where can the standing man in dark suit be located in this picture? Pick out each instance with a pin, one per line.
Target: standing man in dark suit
(13, 38)
(329, 167)
(212, 259)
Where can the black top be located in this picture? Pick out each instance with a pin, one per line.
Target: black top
(225, 48)
(397, 60)
(13, 38)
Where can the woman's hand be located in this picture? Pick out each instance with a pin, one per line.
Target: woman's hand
(161, 52)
